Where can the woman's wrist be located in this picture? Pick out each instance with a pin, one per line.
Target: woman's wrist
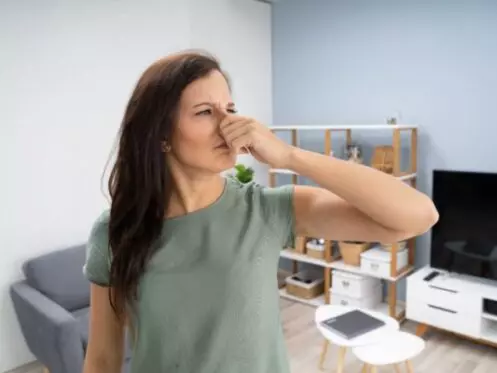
(292, 158)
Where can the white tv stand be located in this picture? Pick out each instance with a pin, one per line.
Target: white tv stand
(452, 302)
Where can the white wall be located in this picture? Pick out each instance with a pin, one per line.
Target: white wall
(66, 72)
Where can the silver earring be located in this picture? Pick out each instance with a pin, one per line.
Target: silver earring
(166, 148)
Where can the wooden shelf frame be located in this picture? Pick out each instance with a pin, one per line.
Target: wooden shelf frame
(334, 262)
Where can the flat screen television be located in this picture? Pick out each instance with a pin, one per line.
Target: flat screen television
(464, 240)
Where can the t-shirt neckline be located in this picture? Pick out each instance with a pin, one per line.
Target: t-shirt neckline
(211, 209)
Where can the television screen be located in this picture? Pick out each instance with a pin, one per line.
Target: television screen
(464, 240)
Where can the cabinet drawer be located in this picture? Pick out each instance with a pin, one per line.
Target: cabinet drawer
(446, 297)
(364, 302)
(443, 317)
(353, 285)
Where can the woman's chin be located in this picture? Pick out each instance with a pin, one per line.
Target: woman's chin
(224, 163)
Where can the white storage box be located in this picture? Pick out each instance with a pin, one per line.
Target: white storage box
(370, 302)
(353, 285)
(376, 261)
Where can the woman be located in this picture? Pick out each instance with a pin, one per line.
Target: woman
(193, 256)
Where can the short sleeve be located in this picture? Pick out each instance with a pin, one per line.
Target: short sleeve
(97, 264)
(278, 210)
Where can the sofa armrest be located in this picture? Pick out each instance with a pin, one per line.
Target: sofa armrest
(50, 331)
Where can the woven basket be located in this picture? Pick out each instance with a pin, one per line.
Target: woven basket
(314, 251)
(351, 252)
(383, 159)
(303, 290)
(317, 254)
(400, 246)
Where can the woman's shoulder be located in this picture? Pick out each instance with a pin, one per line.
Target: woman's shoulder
(97, 264)
(99, 233)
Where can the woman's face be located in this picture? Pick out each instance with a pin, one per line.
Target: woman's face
(197, 142)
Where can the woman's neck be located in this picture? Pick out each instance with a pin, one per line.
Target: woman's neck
(192, 193)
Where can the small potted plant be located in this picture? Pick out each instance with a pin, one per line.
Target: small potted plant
(244, 174)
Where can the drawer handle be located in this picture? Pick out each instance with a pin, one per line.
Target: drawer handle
(375, 266)
(344, 302)
(446, 290)
(345, 284)
(442, 309)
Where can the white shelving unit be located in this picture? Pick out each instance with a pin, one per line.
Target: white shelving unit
(391, 306)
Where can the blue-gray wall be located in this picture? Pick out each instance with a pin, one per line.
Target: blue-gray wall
(433, 63)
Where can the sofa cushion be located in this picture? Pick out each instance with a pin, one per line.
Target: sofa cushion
(59, 276)
(83, 318)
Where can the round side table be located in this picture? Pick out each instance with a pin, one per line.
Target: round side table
(375, 336)
(399, 347)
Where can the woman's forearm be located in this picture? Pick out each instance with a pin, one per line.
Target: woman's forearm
(385, 199)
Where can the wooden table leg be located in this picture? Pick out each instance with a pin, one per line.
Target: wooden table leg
(397, 368)
(421, 330)
(323, 354)
(373, 369)
(341, 359)
(365, 368)
(409, 367)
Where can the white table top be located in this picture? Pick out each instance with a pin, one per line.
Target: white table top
(396, 348)
(375, 336)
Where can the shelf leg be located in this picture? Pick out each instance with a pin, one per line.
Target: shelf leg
(295, 266)
(392, 299)
(421, 330)
(393, 263)
(349, 137)
(411, 246)
(327, 285)
(396, 152)
(414, 150)
(327, 142)
(295, 177)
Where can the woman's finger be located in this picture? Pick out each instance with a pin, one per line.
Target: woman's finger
(229, 120)
(234, 127)
(236, 133)
(242, 142)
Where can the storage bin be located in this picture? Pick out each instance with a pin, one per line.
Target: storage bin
(353, 285)
(377, 262)
(351, 251)
(400, 246)
(369, 302)
(305, 284)
(315, 250)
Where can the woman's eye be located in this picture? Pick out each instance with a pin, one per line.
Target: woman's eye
(205, 112)
(232, 111)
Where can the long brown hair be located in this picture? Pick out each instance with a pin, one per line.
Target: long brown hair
(140, 183)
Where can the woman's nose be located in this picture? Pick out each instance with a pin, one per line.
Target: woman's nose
(219, 113)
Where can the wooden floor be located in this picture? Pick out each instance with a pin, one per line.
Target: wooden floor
(443, 354)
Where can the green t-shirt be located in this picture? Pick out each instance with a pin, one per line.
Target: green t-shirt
(208, 301)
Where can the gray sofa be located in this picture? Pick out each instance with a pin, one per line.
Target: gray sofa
(52, 308)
